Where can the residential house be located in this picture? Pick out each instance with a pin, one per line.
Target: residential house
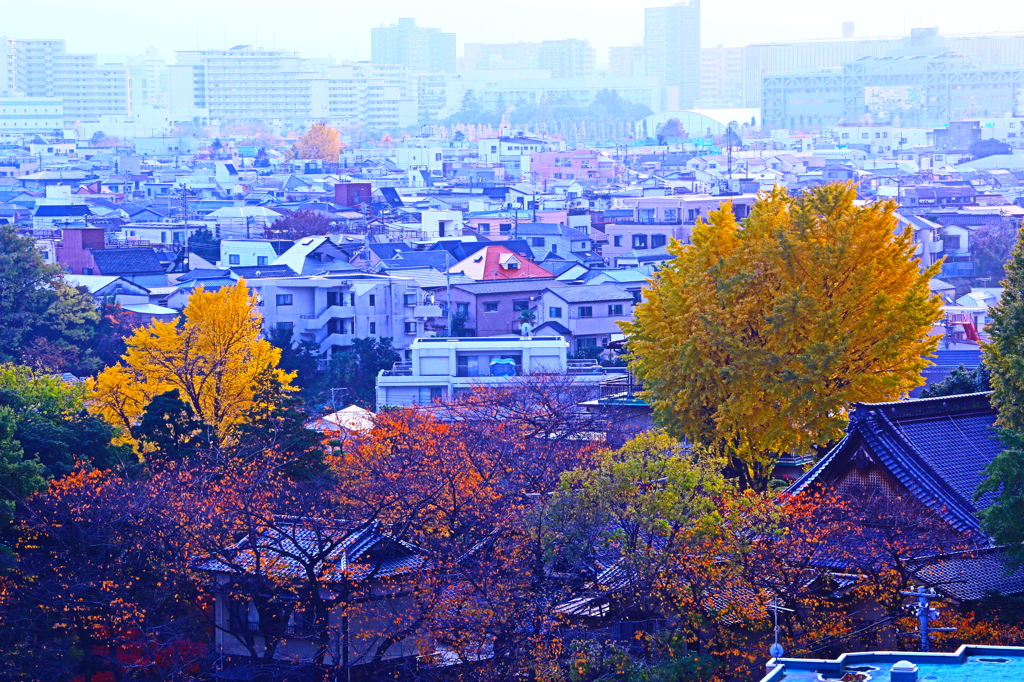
(587, 317)
(247, 252)
(655, 220)
(313, 255)
(494, 308)
(445, 368)
(587, 166)
(547, 239)
(361, 575)
(110, 288)
(498, 262)
(331, 310)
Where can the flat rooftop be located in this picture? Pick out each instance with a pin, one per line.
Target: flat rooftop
(967, 664)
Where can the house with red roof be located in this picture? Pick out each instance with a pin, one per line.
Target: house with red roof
(498, 262)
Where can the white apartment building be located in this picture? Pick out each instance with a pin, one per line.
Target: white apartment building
(444, 368)
(332, 310)
(378, 96)
(23, 115)
(881, 139)
(513, 151)
(248, 83)
(88, 89)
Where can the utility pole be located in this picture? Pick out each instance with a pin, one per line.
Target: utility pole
(448, 287)
(925, 615)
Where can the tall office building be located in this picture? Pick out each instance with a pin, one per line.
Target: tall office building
(422, 50)
(672, 45)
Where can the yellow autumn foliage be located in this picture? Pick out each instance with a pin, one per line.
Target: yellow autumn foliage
(214, 357)
(755, 338)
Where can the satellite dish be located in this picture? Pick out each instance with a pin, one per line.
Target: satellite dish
(776, 650)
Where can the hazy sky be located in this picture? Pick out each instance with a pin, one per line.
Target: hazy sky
(340, 28)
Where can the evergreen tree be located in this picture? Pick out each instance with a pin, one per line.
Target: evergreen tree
(961, 381)
(1004, 356)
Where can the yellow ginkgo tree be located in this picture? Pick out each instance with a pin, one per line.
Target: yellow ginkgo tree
(755, 338)
(214, 357)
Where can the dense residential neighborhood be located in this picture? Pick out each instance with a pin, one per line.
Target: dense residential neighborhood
(513, 361)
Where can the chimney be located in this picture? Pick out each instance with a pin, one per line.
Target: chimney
(847, 29)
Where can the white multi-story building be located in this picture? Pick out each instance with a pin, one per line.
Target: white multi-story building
(332, 310)
(88, 89)
(444, 368)
(513, 151)
(248, 83)
(23, 115)
(881, 139)
(377, 96)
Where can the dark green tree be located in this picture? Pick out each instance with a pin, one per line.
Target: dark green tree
(204, 244)
(960, 381)
(170, 430)
(982, 148)
(356, 369)
(45, 322)
(52, 426)
(1004, 357)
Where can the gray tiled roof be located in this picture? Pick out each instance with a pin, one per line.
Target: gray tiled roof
(132, 261)
(597, 292)
(937, 448)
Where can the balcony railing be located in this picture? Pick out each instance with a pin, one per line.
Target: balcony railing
(399, 369)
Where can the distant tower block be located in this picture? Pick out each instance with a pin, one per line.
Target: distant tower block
(847, 29)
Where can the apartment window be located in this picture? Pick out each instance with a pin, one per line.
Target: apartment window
(537, 241)
(283, 299)
(951, 242)
(373, 327)
(646, 215)
(410, 300)
(658, 240)
(410, 328)
(554, 312)
(846, 136)
(163, 237)
(585, 311)
(671, 215)
(234, 259)
(484, 227)
(589, 342)
(373, 300)
(639, 241)
(334, 298)
(865, 136)
(491, 307)
(261, 260)
(615, 310)
(693, 214)
(505, 228)
(617, 240)
(520, 305)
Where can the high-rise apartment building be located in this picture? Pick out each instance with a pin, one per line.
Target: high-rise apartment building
(721, 77)
(570, 58)
(500, 56)
(672, 46)
(421, 50)
(8, 67)
(248, 83)
(377, 96)
(147, 74)
(626, 61)
(89, 90)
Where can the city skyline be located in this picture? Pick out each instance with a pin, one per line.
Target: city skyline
(126, 29)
